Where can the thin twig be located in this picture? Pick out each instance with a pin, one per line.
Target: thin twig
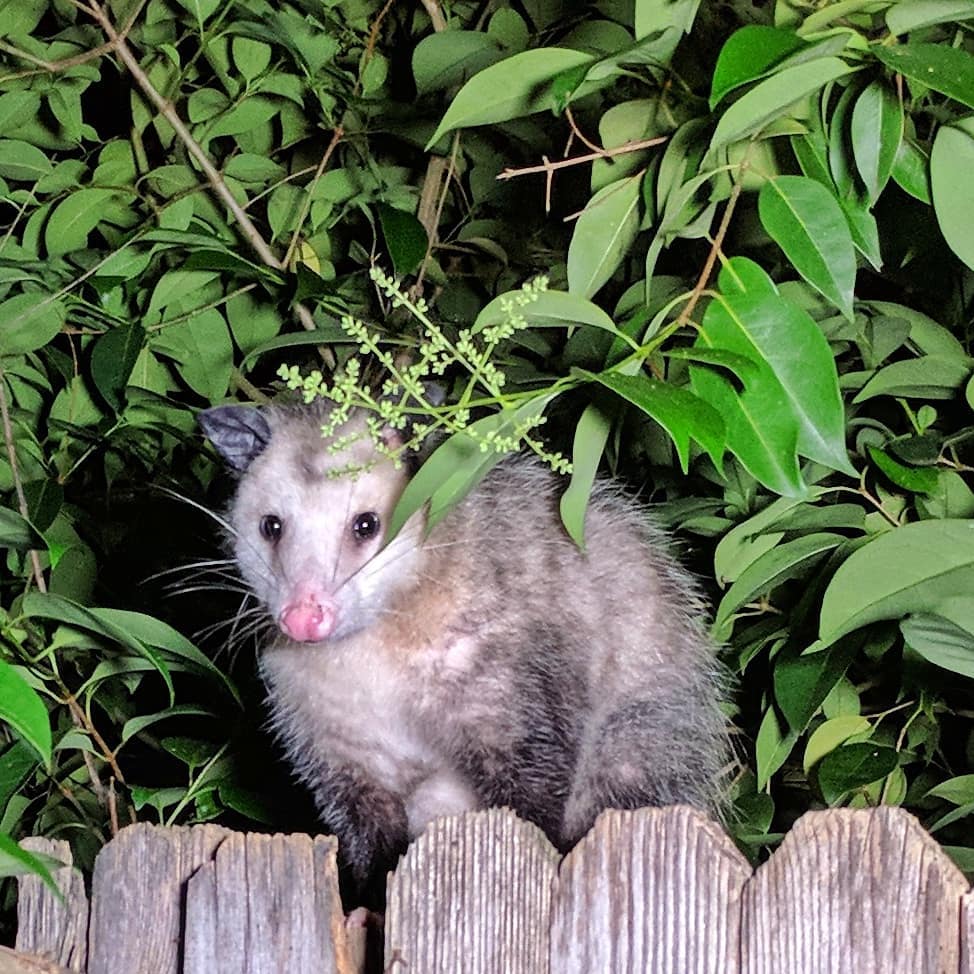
(619, 150)
(8, 438)
(435, 14)
(336, 137)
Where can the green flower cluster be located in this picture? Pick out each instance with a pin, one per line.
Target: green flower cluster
(408, 400)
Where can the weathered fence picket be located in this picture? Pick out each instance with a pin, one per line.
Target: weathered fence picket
(656, 891)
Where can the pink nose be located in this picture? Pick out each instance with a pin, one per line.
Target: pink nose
(307, 621)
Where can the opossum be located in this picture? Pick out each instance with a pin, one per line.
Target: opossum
(487, 662)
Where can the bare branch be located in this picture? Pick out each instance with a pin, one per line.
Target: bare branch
(549, 167)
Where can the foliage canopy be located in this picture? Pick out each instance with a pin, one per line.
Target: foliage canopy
(758, 233)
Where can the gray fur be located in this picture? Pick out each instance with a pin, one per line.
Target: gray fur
(491, 663)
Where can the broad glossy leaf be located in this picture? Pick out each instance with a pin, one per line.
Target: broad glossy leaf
(926, 567)
(829, 735)
(549, 309)
(747, 54)
(927, 377)
(941, 67)
(405, 238)
(15, 861)
(769, 99)
(18, 533)
(772, 747)
(73, 219)
(590, 435)
(450, 57)
(911, 170)
(517, 86)
(786, 561)
(793, 404)
(603, 235)
(22, 708)
(852, 766)
(458, 464)
(22, 162)
(805, 220)
(203, 350)
(28, 322)
(877, 129)
(958, 790)
(45, 605)
(940, 641)
(951, 166)
(659, 15)
(682, 414)
(920, 480)
(803, 681)
(113, 357)
(909, 15)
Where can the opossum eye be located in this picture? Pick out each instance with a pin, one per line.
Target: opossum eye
(365, 525)
(271, 527)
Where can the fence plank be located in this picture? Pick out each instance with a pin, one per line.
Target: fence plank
(967, 934)
(266, 904)
(859, 891)
(47, 927)
(472, 894)
(654, 890)
(137, 897)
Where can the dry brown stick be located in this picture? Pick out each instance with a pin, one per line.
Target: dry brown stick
(548, 166)
(708, 266)
(435, 14)
(8, 438)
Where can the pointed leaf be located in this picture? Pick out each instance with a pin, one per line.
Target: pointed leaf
(951, 165)
(925, 567)
(517, 86)
(805, 220)
(941, 67)
(22, 708)
(603, 235)
(877, 128)
(590, 435)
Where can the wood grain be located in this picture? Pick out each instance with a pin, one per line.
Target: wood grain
(47, 927)
(967, 934)
(267, 904)
(653, 890)
(472, 895)
(863, 891)
(138, 894)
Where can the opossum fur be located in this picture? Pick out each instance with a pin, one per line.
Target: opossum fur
(490, 662)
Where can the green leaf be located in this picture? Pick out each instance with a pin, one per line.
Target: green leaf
(22, 162)
(920, 480)
(925, 567)
(958, 790)
(749, 53)
(113, 357)
(805, 220)
(803, 681)
(448, 58)
(204, 351)
(927, 377)
(940, 641)
(877, 129)
(28, 322)
(682, 414)
(515, 87)
(405, 238)
(852, 766)
(250, 56)
(792, 404)
(652, 16)
(73, 219)
(829, 735)
(549, 309)
(458, 464)
(46, 605)
(951, 164)
(771, 747)
(603, 235)
(788, 560)
(23, 709)
(18, 533)
(768, 100)
(15, 861)
(941, 67)
(17, 107)
(591, 434)
(911, 170)
(909, 15)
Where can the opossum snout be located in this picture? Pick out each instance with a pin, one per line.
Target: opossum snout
(309, 619)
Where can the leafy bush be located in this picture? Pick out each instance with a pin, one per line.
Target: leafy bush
(755, 225)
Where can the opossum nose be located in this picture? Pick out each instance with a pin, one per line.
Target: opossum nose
(308, 621)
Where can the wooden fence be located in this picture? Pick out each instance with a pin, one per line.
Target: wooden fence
(658, 890)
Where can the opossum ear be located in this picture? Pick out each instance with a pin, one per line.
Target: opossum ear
(239, 433)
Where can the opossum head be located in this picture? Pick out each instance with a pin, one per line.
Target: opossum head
(310, 543)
